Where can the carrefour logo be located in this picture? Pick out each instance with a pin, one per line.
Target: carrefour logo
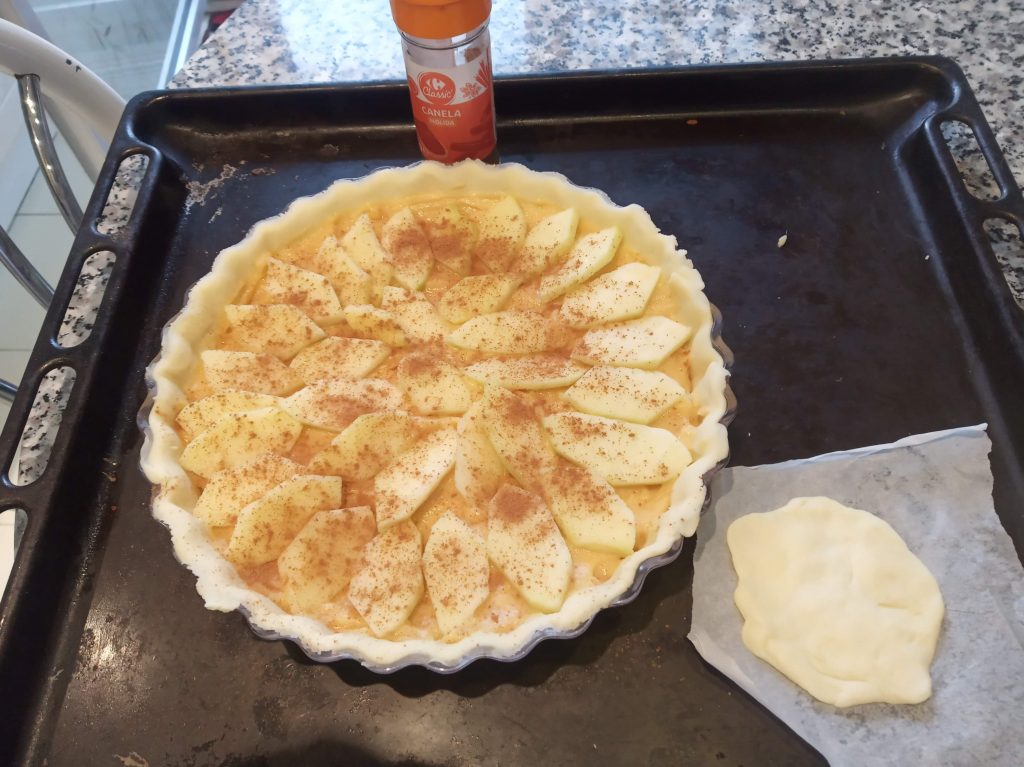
(438, 88)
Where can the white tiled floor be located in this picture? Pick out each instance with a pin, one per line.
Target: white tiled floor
(12, 365)
(38, 199)
(123, 41)
(6, 546)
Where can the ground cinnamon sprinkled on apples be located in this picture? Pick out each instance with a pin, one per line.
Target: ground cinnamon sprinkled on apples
(420, 364)
(586, 429)
(410, 247)
(448, 240)
(571, 480)
(265, 575)
(583, 349)
(575, 315)
(496, 253)
(519, 410)
(402, 298)
(296, 297)
(342, 409)
(451, 240)
(542, 366)
(359, 495)
(512, 504)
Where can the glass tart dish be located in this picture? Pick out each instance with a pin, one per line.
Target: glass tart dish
(435, 414)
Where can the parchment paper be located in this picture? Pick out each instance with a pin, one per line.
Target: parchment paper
(936, 491)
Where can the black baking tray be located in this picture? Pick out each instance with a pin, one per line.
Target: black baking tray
(885, 314)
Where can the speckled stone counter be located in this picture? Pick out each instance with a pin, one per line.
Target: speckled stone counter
(304, 41)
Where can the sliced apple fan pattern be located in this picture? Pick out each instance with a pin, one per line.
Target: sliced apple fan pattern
(529, 382)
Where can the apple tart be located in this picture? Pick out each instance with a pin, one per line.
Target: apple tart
(438, 413)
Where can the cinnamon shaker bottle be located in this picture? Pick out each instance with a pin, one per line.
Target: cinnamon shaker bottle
(447, 51)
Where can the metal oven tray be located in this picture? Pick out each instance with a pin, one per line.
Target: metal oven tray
(884, 314)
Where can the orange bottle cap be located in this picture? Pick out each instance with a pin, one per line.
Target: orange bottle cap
(439, 19)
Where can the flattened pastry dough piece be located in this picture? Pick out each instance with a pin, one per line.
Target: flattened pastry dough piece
(833, 598)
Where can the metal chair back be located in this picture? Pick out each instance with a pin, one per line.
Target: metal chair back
(86, 111)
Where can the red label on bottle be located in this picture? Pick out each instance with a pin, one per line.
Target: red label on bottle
(453, 109)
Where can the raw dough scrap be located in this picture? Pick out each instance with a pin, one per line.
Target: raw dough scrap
(833, 598)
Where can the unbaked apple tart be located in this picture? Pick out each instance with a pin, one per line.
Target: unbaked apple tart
(437, 413)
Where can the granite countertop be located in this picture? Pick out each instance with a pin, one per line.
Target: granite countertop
(304, 41)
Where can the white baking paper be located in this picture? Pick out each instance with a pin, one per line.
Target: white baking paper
(936, 491)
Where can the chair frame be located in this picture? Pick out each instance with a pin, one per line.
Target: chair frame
(86, 111)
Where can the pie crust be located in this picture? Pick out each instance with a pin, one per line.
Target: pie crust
(175, 494)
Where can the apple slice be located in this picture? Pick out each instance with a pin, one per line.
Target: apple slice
(473, 296)
(452, 239)
(548, 241)
(542, 371)
(434, 387)
(589, 512)
(511, 332)
(502, 231)
(621, 294)
(362, 246)
(266, 526)
(287, 284)
(323, 558)
(336, 402)
(479, 470)
(524, 543)
(404, 485)
(589, 255)
(200, 415)
(375, 323)
(390, 584)
(367, 445)
(278, 329)
(411, 256)
(248, 371)
(231, 490)
(239, 438)
(623, 453)
(457, 572)
(350, 281)
(643, 343)
(337, 357)
(626, 393)
(415, 315)
(515, 432)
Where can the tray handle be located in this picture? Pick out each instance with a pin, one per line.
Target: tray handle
(37, 495)
(965, 109)
(1009, 206)
(48, 354)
